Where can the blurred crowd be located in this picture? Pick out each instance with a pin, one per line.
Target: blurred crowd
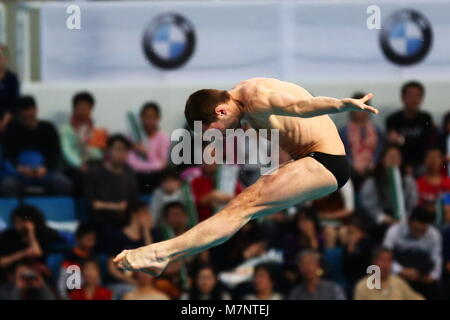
(394, 213)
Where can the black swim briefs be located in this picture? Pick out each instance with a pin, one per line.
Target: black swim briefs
(338, 165)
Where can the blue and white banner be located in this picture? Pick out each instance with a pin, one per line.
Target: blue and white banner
(229, 41)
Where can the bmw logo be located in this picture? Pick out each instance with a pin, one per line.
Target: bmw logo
(406, 37)
(169, 41)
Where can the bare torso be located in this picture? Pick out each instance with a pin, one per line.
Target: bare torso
(298, 136)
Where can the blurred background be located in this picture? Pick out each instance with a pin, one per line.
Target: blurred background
(90, 92)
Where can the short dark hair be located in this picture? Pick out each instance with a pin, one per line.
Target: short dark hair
(118, 138)
(83, 96)
(25, 103)
(171, 205)
(84, 229)
(31, 213)
(150, 106)
(413, 84)
(170, 173)
(420, 214)
(201, 105)
(379, 250)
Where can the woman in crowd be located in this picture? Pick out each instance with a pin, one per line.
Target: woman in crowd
(377, 194)
(264, 282)
(136, 233)
(206, 286)
(91, 289)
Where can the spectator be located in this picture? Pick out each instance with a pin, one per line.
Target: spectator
(392, 286)
(337, 206)
(150, 156)
(29, 239)
(9, 90)
(275, 227)
(376, 195)
(434, 182)
(110, 187)
(32, 149)
(445, 139)
(168, 191)
(81, 142)
(446, 258)
(417, 247)
(136, 233)
(411, 128)
(91, 289)
(145, 289)
(306, 235)
(312, 286)
(207, 197)
(357, 252)
(249, 242)
(83, 250)
(174, 220)
(206, 286)
(363, 143)
(28, 284)
(264, 283)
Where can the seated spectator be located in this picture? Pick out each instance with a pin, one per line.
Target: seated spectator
(376, 194)
(275, 227)
(29, 239)
(446, 258)
(312, 286)
(83, 250)
(81, 142)
(27, 283)
(91, 289)
(150, 156)
(411, 128)
(174, 221)
(417, 247)
(357, 252)
(9, 91)
(145, 289)
(264, 282)
(249, 242)
(110, 187)
(363, 143)
(136, 233)
(206, 286)
(393, 287)
(306, 235)
(337, 206)
(168, 191)
(434, 182)
(207, 197)
(31, 147)
(445, 140)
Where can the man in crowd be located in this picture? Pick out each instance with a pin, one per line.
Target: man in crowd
(31, 147)
(417, 247)
(412, 128)
(9, 90)
(110, 186)
(392, 287)
(313, 286)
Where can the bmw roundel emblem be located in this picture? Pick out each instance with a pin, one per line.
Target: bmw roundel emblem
(406, 37)
(169, 41)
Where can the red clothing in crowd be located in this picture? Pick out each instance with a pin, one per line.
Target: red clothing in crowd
(99, 294)
(201, 186)
(429, 192)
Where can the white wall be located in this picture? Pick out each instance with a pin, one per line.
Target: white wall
(113, 101)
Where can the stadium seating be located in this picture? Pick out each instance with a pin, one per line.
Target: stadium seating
(7, 205)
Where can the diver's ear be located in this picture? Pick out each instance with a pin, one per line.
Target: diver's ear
(221, 109)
